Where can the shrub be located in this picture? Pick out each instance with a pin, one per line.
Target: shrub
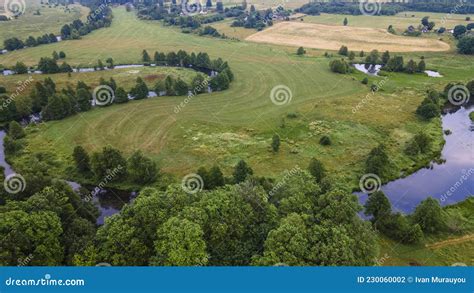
(325, 140)
(339, 66)
(365, 80)
(428, 110)
(343, 51)
(466, 45)
(15, 130)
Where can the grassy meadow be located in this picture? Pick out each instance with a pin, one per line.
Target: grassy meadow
(221, 128)
(50, 20)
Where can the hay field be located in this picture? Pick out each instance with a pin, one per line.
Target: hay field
(330, 37)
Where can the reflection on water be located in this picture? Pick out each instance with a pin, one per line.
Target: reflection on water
(368, 68)
(109, 201)
(432, 73)
(7, 168)
(448, 182)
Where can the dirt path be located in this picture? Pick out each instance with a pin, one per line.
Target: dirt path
(453, 241)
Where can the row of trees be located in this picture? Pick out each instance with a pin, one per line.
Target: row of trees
(315, 8)
(428, 218)
(200, 61)
(392, 64)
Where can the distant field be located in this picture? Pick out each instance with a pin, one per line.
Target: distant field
(264, 4)
(50, 20)
(332, 37)
(224, 27)
(399, 21)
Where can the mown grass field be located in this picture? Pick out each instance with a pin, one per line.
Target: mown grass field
(221, 128)
(50, 20)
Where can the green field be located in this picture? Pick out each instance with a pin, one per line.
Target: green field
(50, 20)
(221, 128)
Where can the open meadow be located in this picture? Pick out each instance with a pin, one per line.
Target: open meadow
(49, 20)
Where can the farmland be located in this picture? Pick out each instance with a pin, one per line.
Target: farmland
(331, 37)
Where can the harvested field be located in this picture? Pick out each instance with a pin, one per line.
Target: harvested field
(330, 37)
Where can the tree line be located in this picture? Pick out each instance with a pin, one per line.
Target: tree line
(316, 8)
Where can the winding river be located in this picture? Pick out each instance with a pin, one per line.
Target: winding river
(109, 201)
(449, 182)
